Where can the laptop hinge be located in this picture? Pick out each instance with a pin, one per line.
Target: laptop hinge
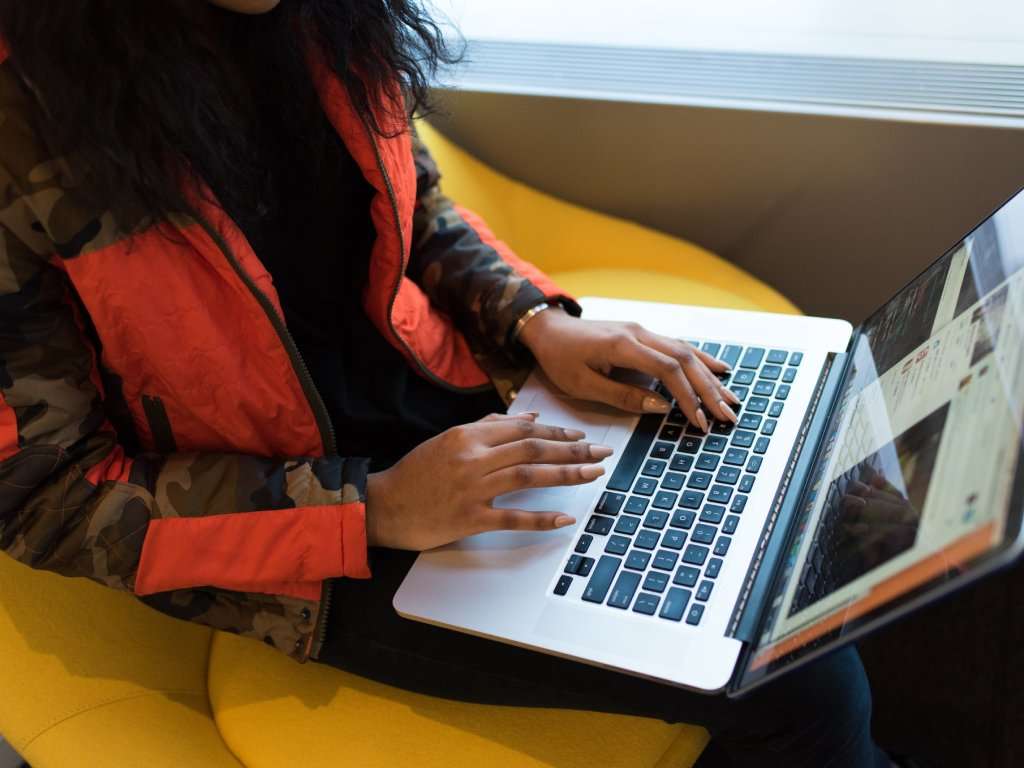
(743, 623)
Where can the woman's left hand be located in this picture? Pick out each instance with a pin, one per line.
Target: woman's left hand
(577, 355)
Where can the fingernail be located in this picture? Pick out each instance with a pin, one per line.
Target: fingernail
(653, 404)
(731, 396)
(591, 471)
(563, 520)
(530, 414)
(600, 451)
(727, 411)
(574, 434)
(702, 420)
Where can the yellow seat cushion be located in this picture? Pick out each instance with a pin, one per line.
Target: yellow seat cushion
(90, 677)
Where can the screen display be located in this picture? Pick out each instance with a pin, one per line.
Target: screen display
(917, 474)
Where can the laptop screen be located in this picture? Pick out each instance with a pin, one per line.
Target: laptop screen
(917, 477)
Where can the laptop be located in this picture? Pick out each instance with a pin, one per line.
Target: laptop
(873, 470)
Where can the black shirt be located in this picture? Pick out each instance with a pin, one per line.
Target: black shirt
(314, 234)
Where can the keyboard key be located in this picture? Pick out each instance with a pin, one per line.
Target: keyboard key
(743, 377)
(656, 519)
(627, 525)
(694, 431)
(771, 372)
(635, 452)
(656, 582)
(645, 486)
(662, 450)
(665, 560)
(754, 464)
(711, 348)
(673, 539)
(722, 545)
(646, 603)
(746, 484)
(625, 586)
(638, 560)
(695, 554)
(743, 439)
(584, 543)
(686, 576)
(761, 446)
(703, 534)
(617, 545)
(782, 392)
(573, 565)
(636, 505)
(719, 494)
(728, 475)
(699, 480)
(715, 444)
(675, 416)
(586, 564)
(689, 444)
(601, 579)
(731, 354)
(653, 468)
(704, 590)
(741, 392)
(600, 525)
(691, 499)
(646, 539)
(738, 504)
(712, 513)
(719, 428)
(610, 503)
(796, 358)
(750, 421)
(776, 410)
(707, 462)
(764, 388)
(776, 356)
(683, 518)
(670, 432)
(673, 481)
(769, 427)
(752, 357)
(714, 566)
(563, 585)
(665, 500)
(788, 375)
(694, 614)
(681, 463)
(735, 456)
(757, 404)
(731, 523)
(674, 604)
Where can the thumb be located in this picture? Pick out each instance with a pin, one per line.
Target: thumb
(626, 397)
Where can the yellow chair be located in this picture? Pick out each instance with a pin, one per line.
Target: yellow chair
(89, 677)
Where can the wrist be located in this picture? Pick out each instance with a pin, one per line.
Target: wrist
(536, 326)
(374, 507)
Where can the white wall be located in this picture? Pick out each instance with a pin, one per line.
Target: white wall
(976, 31)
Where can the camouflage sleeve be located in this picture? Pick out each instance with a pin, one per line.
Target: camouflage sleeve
(72, 502)
(471, 275)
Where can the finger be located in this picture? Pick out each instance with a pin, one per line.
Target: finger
(539, 476)
(521, 520)
(669, 370)
(598, 387)
(713, 363)
(534, 450)
(694, 373)
(502, 431)
(500, 416)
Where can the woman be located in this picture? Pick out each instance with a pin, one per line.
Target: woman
(245, 338)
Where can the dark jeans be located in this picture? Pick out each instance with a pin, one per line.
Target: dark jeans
(816, 717)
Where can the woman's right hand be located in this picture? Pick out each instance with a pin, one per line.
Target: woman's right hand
(442, 490)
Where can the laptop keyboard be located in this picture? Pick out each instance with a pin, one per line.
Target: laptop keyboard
(662, 528)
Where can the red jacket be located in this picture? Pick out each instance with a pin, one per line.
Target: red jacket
(159, 432)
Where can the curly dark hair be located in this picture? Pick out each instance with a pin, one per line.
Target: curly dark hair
(133, 93)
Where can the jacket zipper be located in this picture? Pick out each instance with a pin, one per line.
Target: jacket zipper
(401, 272)
(328, 439)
